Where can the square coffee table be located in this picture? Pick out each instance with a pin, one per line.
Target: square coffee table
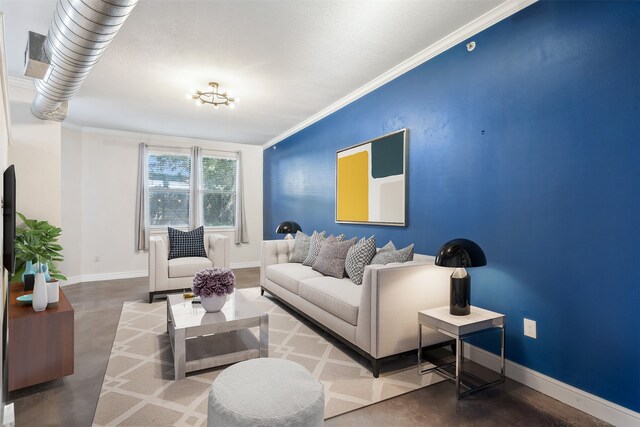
(201, 340)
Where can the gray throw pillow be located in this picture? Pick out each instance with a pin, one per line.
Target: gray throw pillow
(314, 249)
(358, 257)
(300, 247)
(330, 260)
(388, 256)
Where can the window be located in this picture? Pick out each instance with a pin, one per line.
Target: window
(170, 180)
(219, 191)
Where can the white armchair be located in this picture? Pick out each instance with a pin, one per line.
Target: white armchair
(166, 276)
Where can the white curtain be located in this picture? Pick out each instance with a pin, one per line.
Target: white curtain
(242, 235)
(195, 192)
(142, 201)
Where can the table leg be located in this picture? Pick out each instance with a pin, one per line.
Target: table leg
(459, 351)
(419, 348)
(502, 352)
(179, 355)
(264, 336)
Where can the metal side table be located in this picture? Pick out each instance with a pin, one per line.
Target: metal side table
(461, 328)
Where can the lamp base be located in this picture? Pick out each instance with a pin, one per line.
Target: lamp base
(460, 297)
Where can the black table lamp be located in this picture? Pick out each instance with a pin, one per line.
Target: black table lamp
(460, 254)
(288, 228)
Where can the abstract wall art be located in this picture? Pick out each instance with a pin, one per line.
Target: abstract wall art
(371, 181)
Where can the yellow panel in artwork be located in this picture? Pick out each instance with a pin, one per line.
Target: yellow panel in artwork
(353, 187)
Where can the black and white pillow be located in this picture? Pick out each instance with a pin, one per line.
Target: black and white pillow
(358, 257)
(314, 248)
(300, 247)
(184, 244)
(330, 260)
(316, 244)
(388, 256)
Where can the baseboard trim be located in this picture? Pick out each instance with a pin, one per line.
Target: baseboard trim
(105, 276)
(245, 264)
(134, 274)
(565, 393)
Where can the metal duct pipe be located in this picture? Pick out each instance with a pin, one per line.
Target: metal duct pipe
(79, 34)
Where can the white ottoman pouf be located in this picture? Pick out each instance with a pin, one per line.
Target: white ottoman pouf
(266, 392)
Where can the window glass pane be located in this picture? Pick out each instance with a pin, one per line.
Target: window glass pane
(219, 191)
(168, 208)
(219, 209)
(169, 177)
(219, 174)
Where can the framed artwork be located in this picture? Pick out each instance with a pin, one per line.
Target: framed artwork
(371, 181)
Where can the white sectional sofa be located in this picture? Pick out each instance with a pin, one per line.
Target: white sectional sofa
(378, 318)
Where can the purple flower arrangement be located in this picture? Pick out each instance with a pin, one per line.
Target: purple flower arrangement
(213, 281)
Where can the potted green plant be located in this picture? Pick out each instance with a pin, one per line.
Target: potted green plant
(37, 241)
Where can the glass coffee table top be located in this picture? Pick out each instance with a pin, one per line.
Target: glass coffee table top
(186, 314)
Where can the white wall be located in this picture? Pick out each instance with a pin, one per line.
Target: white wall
(98, 195)
(35, 150)
(71, 203)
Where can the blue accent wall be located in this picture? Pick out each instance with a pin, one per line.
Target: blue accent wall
(530, 146)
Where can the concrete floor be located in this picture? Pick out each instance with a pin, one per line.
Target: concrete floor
(71, 401)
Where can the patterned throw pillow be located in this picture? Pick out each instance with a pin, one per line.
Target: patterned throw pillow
(300, 247)
(386, 257)
(358, 257)
(314, 244)
(330, 260)
(184, 244)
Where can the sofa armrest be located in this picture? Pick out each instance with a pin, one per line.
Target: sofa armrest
(391, 299)
(219, 250)
(158, 267)
(274, 252)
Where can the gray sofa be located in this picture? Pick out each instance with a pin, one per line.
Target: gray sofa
(378, 318)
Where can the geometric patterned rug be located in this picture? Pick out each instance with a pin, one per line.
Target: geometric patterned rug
(139, 390)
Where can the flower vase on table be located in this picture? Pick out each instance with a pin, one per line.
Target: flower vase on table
(212, 286)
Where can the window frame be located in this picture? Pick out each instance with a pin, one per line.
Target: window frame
(200, 192)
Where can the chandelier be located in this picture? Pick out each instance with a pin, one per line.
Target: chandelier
(212, 96)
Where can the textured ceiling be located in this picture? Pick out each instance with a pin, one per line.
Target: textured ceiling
(286, 60)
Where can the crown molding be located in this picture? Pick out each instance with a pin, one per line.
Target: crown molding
(479, 24)
(146, 137)
(21, 82)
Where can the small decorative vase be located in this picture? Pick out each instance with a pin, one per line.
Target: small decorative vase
(28, 269)
(53, 292)
(39, 302)
(213, 303)
(45, 270)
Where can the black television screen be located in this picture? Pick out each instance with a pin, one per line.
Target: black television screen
(9, 220)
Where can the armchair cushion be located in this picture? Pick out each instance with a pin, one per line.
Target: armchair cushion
(188, 266)
(186, 244)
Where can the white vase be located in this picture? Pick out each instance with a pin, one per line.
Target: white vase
(53, 292)
(213, 303)
(39, 301)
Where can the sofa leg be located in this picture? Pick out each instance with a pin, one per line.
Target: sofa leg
(261, 291)
(375, 368)
(150, 297)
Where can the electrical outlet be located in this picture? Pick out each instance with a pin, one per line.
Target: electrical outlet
(530, 328)
(96, 259)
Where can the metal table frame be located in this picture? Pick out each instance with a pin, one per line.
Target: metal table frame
(459, 338)
(244, 346)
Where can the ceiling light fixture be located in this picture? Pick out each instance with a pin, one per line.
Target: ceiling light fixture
(212, 96)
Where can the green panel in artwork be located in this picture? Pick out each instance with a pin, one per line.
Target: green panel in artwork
(387, 156)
